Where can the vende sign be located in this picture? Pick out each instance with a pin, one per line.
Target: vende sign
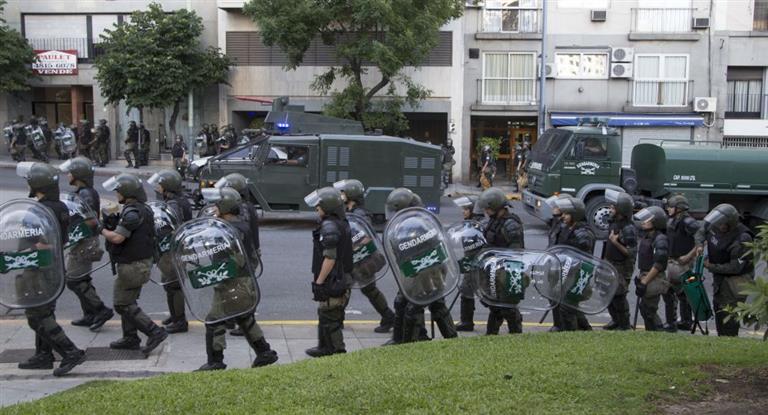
(55, 62)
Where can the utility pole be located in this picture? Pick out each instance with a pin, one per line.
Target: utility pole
(543, 69)
(190, 114)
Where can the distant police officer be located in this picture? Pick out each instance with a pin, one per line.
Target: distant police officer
(729, 261)
(331, 265)
(144, 142)
(353, 194)
(169, 189)
(19, 140)
(503, 230)
(467, 292)
(575, 233)
(652, 258)
(131, 145)
(43, 181)
(86, 143)
(179, 153)
(102, 143)
(228, 203)
(681, 230)
(95, 313)
(621, 251)
(131, 244)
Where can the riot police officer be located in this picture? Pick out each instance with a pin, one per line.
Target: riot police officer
(228, 203)
(95, 313)
(681, 231)
(169, 189)
(47, 133)
(353, 194)
(144, 142)
(729, 261)
(131, 145)
(652, 259)
(43, 181)
(131, 244)
(466, 291)
(620, 251)
(19, 140)
(85, 140)
(36, 140)
(503, 230)
(576, 233)
(102, 143)
(331, 265)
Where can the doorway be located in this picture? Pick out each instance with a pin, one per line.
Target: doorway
(511, 131)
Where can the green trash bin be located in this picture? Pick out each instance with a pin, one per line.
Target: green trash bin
(693, 286)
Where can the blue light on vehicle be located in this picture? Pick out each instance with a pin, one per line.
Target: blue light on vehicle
(433, 208)
(283, 125)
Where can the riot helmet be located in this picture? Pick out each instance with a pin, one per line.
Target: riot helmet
(169, 180)
(469, 206)
(398, 200)
(236, 181)
(226, 199)
(41, 178)
(653, 214)
(679, 203)
(571, 206)
(328, 199)
(352, 190)
(79, 168)
(493, 199)
(126, 185)
(416, 200)
(102, 122)
(621, 201)
(723, 214)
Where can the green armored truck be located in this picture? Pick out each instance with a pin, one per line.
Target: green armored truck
(301, 152)
(585, 161)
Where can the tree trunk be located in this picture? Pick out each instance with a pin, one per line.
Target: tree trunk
(172, 121)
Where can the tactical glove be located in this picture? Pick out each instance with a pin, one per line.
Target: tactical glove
(318, 292)
(640, 288)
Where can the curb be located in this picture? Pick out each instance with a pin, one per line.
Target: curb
(146, 171)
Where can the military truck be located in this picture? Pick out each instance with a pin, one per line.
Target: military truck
(585, 161)
(301, 152)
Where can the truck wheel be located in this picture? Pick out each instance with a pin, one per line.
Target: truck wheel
(598, 213)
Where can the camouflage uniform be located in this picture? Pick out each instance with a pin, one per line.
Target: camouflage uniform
(579, 236)
(504, 232)
(625, 265)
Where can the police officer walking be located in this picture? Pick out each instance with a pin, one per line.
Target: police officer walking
(43, 181)
(144, 142)
(169, 190)
(130, 243)
(466, 291)
(681, 232)
(79, 265)
(85, 139)
(652, 259)
(19, 140)
(621, 251)
(131, 145)
(353, 194)
(331, 265)
(504, 230)
(729, 261)
(102, 143)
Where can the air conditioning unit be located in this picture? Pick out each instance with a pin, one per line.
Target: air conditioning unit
(621, 70)
(549, 70)
(701, 22)
(704, 104)
(599, 15)
(622, 54)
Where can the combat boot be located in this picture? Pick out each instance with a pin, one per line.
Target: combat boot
(611, 326)
(264, 354)
(126, 343)
(101, 318)
(215, 357)
(38, 361)
(84, 321)
(386, 323)
(71, 359)
(168, 321)
(467, 314)
(322, 348)
(494, 323)
(156, 336)
(180, 326)
(670, 327)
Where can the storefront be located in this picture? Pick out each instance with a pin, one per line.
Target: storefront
(510, 131)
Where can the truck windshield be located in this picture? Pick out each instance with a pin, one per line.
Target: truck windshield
(549, 146)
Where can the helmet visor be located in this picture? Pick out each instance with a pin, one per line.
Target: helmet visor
(24, 168)
(221, 183)
(644, 215)
(341, 185)
(211, 194)
(612, 196)
(715, 218)
(564, 204)
(463, 202)
(312, 199)
(66, 167)
(154, 180)
(111, 184)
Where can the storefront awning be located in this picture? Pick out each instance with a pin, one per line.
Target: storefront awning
(620, 119)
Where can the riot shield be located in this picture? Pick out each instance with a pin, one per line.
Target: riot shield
(370, 264)
(587, 284)
(166, 223)
(216, 273)
(422, 256)
(83, 244)
(31, 260)
(515, 278)
(207, 211)
(467, 234)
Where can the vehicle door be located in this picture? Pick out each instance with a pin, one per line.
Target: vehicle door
(289, 173)
(589, 161)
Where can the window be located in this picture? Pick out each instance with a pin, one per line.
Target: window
(590, 148)
(288, 155)
(578, 65)
(583, 4)
(661, 80)
(760, 21)
(516, 16)
(745, 92)
(509, 78)
(663, 16)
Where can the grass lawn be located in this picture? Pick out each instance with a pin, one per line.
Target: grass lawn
(589, 373)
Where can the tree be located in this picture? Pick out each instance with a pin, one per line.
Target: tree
(154, 60)
(387, 35)
(16, 58)
(754, 312)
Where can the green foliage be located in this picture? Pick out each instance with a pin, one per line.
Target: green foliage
(156, 59)
(754, 312)
(494, 142)
(373, 39)
(16, 58)
(563, 373)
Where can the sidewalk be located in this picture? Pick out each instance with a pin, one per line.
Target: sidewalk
(112, 168)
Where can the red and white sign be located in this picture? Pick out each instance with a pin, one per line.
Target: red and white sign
(55, 62)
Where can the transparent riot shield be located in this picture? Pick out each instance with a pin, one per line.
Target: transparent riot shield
(166, 223)
(515, 278)
(217, 275)
(422, 256)
(207, 211)
(587, 283)
(83, 247)
(467, 234)
(31, 260)
(370, 263)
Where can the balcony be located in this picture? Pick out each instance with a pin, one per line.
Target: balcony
(745, 106)
(509, 23)
(506, 94)
(662, 24)
(64, 43)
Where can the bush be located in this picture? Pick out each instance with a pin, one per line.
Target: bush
(754, 311)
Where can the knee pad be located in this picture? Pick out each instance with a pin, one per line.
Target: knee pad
(172, 287)
(122, 309)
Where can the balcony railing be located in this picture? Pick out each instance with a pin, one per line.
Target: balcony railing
(506, 92)
(80, 44)
(508, 20)
(745, 105)
(662, 20)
